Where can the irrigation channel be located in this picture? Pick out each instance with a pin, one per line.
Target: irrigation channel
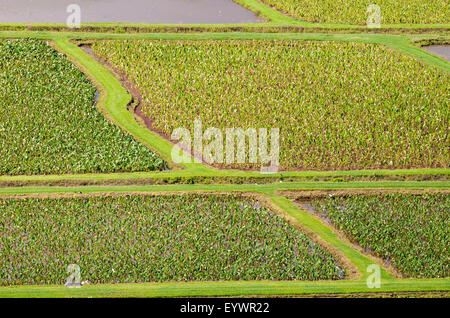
(190, 178)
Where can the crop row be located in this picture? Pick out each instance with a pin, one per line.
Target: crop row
(355, 11)
(154, 238)
(338, 105)
(411, 232)
(49, 123)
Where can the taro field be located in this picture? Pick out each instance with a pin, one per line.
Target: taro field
(339, 106)
(90, 113)
(410, 232)
(355, 11)
(144, 238)
(49, 123)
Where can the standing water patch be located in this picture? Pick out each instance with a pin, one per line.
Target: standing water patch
(127, 11)
(440, 50)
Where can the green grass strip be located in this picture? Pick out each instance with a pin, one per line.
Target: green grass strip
(117, 98)
(223, 173)
(328, 235)
(266, 12)
(234, 288)
(261, 188)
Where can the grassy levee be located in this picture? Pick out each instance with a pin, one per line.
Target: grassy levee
(233, 288)
(363, 37)
(329, 236)
(266, 12)
(270, 188)
(405, 46)
(191, 173)
(116, 95)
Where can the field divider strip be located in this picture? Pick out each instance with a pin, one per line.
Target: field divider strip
(360, 261)
(406, 47)
(350, 37)
(267, 12)
(226, 173)
(225, 288)
(116, 100)
(269, 188)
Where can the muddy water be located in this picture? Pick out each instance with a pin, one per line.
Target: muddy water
(441, 50)
(127, 11)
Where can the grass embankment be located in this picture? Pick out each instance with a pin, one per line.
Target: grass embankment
(269, 188)
(255, 288)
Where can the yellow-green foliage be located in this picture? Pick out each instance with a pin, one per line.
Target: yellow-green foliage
(355, 11)
(338, 105)
(410, 231)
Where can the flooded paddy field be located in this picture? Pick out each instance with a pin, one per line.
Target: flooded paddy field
(127, 11)
(440, 50)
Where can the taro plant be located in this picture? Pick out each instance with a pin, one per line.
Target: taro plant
(411, 232)
(339, 106)
(137, 238)
(355, 11)
(49, 123)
